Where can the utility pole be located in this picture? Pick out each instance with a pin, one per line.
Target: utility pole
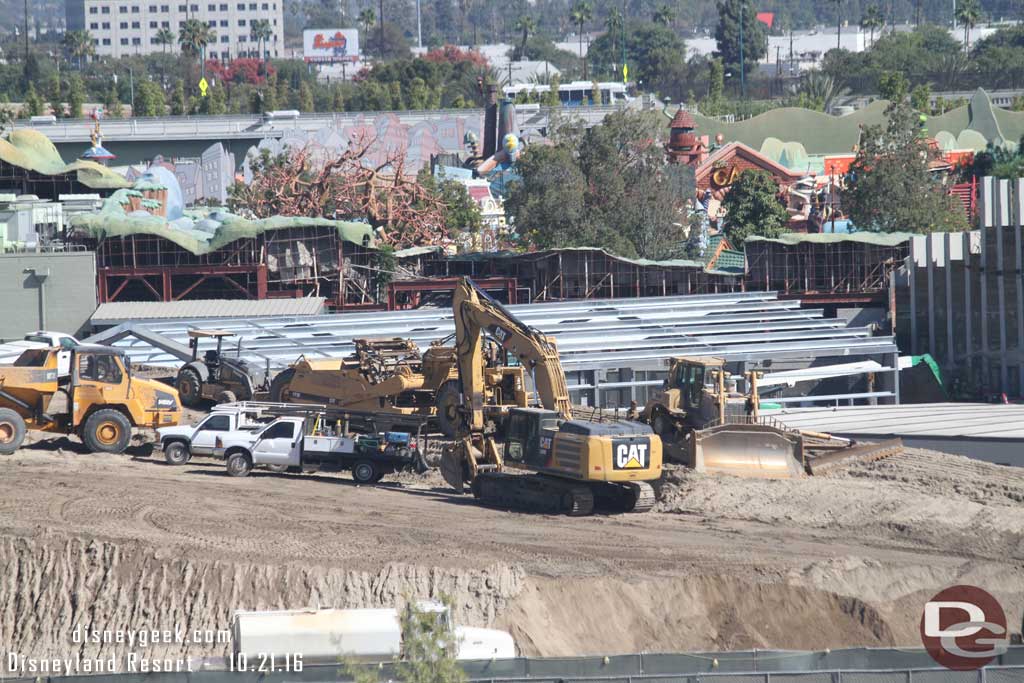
(743, 75)
(26, 31)
(419, 27)
(791, 64)
(382, 30)
(839, 24)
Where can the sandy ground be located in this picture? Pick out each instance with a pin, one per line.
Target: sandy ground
(721, 562)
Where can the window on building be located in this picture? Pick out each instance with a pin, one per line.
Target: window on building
(224, 23)
(212, 23)
(194, 8)
(124, 41)
(136, 24)
(94, 10)
(252, 5)
(152, 41)
(182, 8)
(266, 6)
(240, 7)
(123, 9)
(243, 39)
(135, 9)
(154, 24)
(211, 8)
(224, 7)
(275, 22)
(165, 24)
(106, 25)
(94, 25)
(106, 41)
(152, 9)
(104, 10)
(136, 41)
(224, 39)
(123, 25)
(165, 8)
(241, 22)
(95, 41)
(213, 55)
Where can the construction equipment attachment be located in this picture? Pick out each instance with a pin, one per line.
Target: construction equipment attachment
(837, 459)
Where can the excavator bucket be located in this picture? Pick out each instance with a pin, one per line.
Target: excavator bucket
(453, 466)
(747, 450)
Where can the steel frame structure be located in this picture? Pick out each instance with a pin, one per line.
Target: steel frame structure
(606, 345)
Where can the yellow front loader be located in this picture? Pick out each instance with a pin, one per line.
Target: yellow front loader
(99, 401)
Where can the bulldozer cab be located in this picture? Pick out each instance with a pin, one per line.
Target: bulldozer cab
(696, 387)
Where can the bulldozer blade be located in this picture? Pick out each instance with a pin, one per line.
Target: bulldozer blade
(452, 467)
(865, 452)
(748, 450)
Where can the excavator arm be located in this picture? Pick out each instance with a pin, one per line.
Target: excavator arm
(477, 313)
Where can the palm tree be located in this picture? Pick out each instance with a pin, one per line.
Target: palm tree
(524, 25)
(165, 37)
(262, 33)
(872, 21)
(613, 25)
(367, 18)
(193, 37)
(664, 15)
(839, 22)
(821, 87)
(968, 13)
(581, 13)
(79, 46)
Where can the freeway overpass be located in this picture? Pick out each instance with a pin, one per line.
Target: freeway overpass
(138, 139)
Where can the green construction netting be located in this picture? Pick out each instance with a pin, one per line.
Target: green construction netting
(889, 239)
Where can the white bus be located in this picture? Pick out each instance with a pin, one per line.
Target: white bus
(574, 94)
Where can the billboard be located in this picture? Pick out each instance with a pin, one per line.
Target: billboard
(330, 45)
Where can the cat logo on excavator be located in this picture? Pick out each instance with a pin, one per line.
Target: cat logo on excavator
(630, 456)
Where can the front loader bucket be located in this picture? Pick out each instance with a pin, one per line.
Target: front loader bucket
(747, 450)
(453, 466)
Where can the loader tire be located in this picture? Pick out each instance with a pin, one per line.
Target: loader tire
(189, 387)
(663, 425)
(12, 431)
(226, 397)
(279, 387)
(449, 421)
(107, 431)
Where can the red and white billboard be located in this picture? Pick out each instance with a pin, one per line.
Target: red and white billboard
(330, 45)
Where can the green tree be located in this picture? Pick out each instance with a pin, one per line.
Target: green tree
(54, 93)
(367, 19)
(819, 90)
(461, 212)
(551, 98)
(112, 103)
(76, 96)
(193, 37)
(893, 86)
(79, 46)
(664, 15)
(525, 26)
(305, 97)
(165, 38)
(215, 102)
(149, 99)
(893, 162)
(429, 648)
(180, 105)
(753, 207)
(580, 13)
(654, 53)
(595, 93)
(33, 103)
(716, 82)
(968, 14)
(727, 35)
(920, 97)
(261, 32)
(871, 21)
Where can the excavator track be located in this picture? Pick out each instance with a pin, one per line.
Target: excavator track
(533, 493)
(644, 496)
(630, 496)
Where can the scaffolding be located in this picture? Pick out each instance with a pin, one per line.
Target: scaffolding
(584, 273)
(290, 262)
(839, 270)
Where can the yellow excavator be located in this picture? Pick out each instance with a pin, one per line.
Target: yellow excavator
(567, 465)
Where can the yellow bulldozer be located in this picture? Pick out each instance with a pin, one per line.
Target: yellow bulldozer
(393, 376)
(99, 400)
(566, 465)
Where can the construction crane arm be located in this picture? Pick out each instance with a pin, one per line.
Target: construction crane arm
(477, 313)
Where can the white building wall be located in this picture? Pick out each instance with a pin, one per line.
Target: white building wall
(129, 27)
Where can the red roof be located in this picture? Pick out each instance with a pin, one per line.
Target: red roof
(682, 119)
(766, 18)
(479, 192)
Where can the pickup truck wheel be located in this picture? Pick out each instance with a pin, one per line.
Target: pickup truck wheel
(107, 431)
(239, 464)
(189, 386)
(277, 469)
(366, 472)
(12, 431)
(176, 453)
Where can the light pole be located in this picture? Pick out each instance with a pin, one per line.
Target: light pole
(743, 75)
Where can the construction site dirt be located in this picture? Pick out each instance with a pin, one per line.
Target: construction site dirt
(122, 542)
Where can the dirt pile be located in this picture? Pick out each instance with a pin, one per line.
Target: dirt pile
(922, 498)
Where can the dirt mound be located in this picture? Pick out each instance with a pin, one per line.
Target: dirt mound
(922, 497)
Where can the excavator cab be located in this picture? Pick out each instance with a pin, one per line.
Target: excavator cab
(528, 436)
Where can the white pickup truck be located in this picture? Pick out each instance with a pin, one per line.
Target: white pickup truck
(327, 635)
(181, 442)
(41, 339)
(287, 443)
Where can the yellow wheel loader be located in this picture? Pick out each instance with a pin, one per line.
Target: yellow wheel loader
(565, 465)
(393, 376)
(99, 401)
(711, 429)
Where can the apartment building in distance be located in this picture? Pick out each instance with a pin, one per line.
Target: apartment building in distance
(129, 27)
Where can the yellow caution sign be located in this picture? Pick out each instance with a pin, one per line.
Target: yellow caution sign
(625, 73)
(203, 86)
